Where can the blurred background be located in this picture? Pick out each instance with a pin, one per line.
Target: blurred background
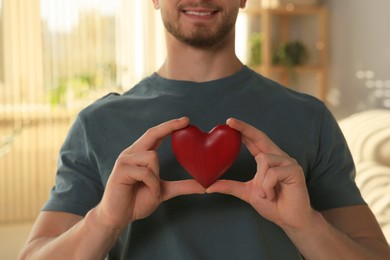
(56, 57)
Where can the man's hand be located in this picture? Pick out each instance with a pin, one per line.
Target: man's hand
(278, 191)
(134, 189)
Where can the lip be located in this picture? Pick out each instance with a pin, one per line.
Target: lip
(199, 13)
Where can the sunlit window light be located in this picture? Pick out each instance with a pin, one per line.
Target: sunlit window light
(70, 11)
(242, 37)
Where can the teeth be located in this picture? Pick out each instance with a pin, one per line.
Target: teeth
(198, 13)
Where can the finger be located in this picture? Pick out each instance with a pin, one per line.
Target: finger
(171, 189)
(267, 163)
(143, 175)
(152, 138)
(277, 177)
(264, 163)
(139, 167)
(262, 168)
(148, 159)
(229, 187)
(256, 140)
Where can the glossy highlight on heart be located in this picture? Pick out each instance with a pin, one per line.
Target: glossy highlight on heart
(206, 156)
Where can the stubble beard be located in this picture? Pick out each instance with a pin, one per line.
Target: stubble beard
(202, 36)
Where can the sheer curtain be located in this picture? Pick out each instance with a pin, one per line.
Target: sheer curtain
(109, 44)
(58, 56)
(140, 41)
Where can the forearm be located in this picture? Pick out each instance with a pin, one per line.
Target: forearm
(320, 240)
(88, 239)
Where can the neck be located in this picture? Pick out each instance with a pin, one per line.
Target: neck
(184, 62)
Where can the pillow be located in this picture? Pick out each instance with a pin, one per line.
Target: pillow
(373, 180)
(368, 135)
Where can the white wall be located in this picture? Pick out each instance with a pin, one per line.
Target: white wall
(359, 55)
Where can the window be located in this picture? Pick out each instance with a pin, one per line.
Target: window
(59, 56)
(1, 44)
(92, 47)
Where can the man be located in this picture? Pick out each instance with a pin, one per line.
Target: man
(291, 190)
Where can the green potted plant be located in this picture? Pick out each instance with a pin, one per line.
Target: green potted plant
(290, 54)
(255, 41)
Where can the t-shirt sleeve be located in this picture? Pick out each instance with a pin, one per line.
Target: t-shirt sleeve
(78, 186)
(331, 179)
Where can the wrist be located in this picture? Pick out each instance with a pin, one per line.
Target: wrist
(312, 222)
(95, 219)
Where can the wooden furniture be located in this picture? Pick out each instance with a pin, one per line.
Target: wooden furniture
(276, 27)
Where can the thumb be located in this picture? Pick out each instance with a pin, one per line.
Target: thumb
(171, 189)
(229, 187)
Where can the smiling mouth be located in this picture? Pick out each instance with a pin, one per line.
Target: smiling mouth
(201, 12)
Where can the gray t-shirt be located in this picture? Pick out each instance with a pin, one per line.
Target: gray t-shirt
(211, 226)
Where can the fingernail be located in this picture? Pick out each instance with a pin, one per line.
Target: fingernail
(182, 118)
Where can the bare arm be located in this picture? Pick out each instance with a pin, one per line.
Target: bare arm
(133, 191)
(58, 235)
(343, 233)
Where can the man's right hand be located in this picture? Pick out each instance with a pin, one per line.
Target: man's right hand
(134, 189)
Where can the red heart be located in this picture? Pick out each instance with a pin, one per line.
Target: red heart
(206, 156)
